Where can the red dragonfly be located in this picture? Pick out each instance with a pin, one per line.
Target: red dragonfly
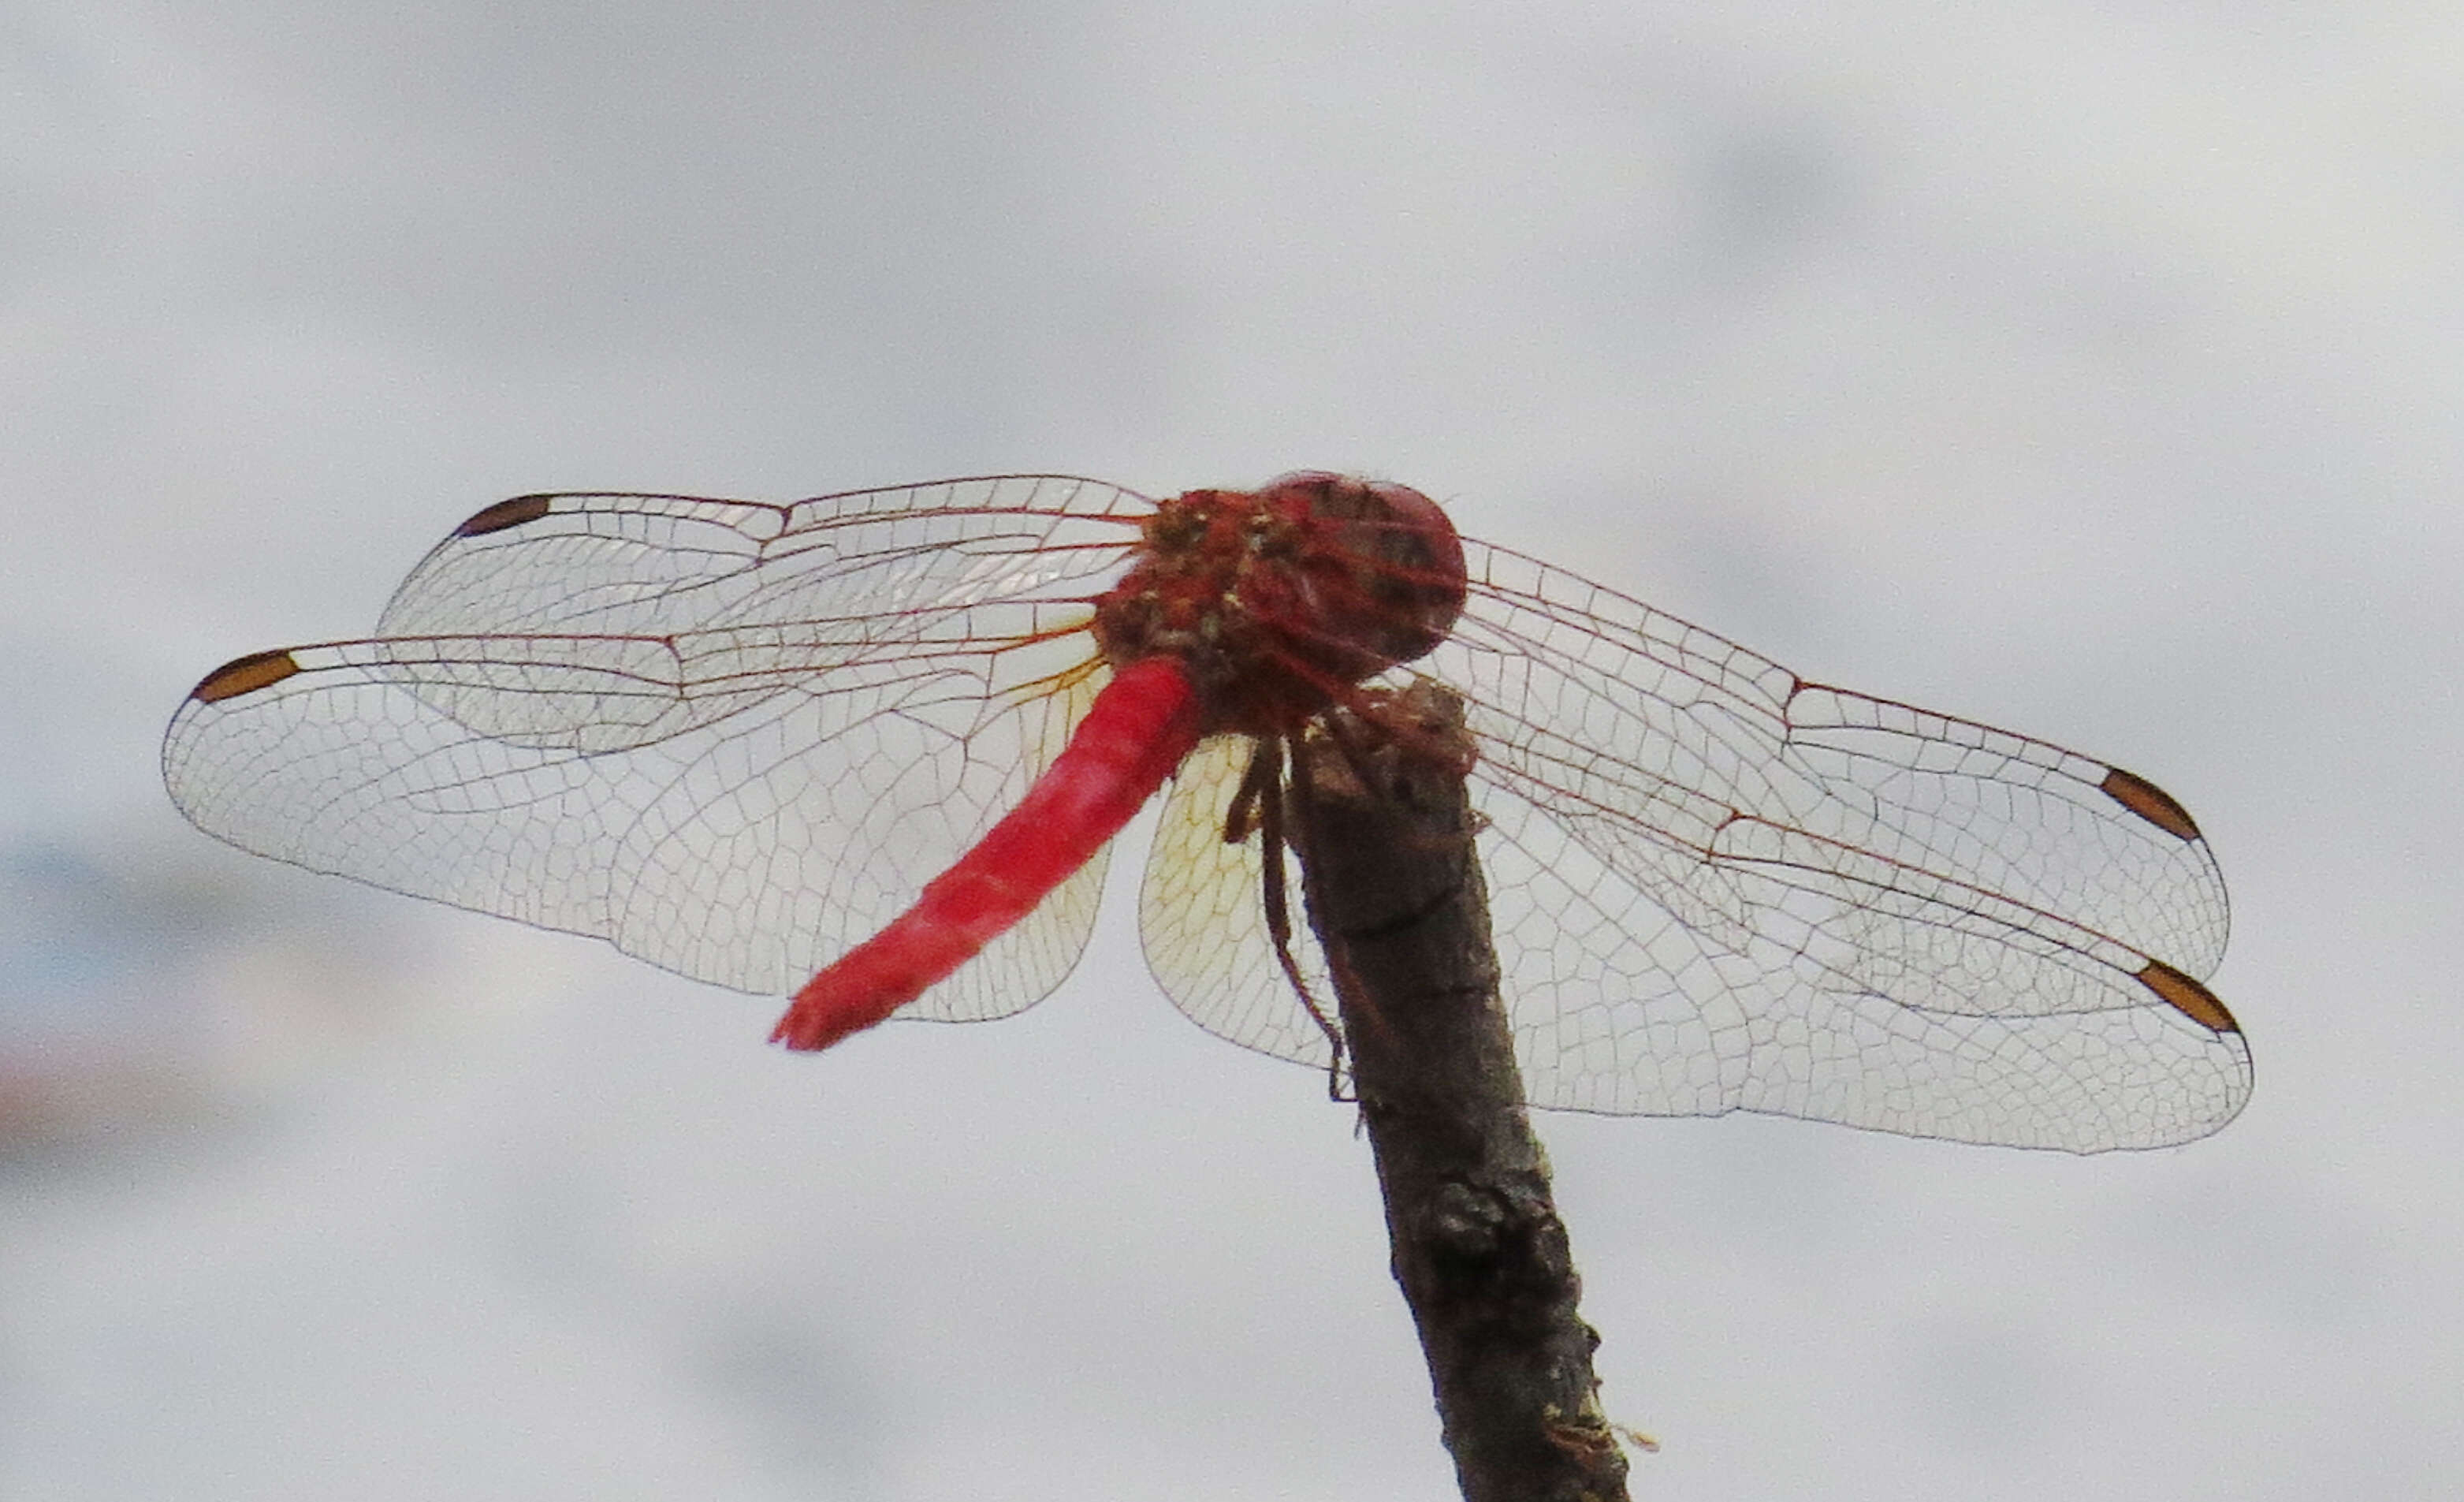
(874, 745)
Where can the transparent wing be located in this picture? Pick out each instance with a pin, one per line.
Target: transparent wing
(1204, 929)
(1716, 887)
(732, 738)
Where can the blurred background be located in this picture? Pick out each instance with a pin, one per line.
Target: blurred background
(2089, 369)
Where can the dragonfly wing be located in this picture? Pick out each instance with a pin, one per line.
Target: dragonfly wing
(1717, 887)
(666, 722)
(1204, 929)
(642, 565)
(1620, 1006)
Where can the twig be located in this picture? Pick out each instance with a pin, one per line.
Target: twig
(1395, 894)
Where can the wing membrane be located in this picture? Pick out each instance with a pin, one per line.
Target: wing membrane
(691, 727)
(1204, 929)
(1717, 887)
(1821, 903)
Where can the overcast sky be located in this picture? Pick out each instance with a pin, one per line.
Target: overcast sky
(2088, 369)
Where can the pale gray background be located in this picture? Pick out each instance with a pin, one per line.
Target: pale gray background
(2091, 369)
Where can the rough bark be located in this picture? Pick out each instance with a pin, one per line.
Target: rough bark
(1384, 832)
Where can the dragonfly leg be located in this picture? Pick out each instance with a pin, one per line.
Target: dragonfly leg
(1265, 767)
(1259, 804)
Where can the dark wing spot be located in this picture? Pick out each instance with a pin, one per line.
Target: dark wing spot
(504, 514)
(2149, 801)
(245, 675)
(2188, 997)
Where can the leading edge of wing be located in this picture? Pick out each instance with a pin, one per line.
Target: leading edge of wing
(644, 563)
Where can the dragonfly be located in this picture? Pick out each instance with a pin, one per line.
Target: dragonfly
(872, 748)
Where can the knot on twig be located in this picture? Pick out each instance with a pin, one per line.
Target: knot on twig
(1466, 1224)
(1500, 1244)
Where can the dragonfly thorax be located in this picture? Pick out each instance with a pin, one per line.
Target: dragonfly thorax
(1278, 601)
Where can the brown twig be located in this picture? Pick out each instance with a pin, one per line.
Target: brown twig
(1384, 831)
